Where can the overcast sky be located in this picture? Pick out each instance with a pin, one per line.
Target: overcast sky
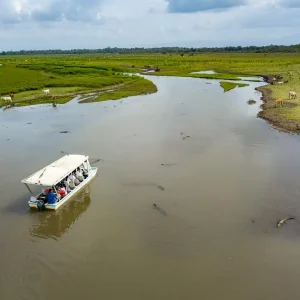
(68, 24)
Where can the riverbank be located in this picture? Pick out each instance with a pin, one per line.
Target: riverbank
(284, 118)
(70, 75)
(65, 81)
(136, 88)
(62, 95)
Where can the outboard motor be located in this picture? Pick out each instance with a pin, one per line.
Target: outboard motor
(40, 205)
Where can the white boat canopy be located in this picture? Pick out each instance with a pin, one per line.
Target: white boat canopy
(56, 171)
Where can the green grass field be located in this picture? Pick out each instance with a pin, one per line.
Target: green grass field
(64, 74)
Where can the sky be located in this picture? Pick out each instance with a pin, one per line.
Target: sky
(77, 24)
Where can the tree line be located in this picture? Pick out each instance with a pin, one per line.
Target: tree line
(164, 50)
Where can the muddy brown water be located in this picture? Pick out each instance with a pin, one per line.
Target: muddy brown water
(218, 196)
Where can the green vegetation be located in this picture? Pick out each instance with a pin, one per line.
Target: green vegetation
(68, 75)
(27, 79)
(36, 101)
(138, 87)
(227, 86)
(14, 80)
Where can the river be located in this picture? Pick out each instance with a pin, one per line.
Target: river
(227, 178)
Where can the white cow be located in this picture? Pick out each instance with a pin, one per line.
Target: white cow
(292, 95)
(46, 92)
(6, 99)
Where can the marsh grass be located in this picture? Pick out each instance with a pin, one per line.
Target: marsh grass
(85, 72)
(138, 87)
(227, 86)
(26, 80)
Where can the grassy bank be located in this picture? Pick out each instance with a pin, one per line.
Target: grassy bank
(138, 87)
(227, 86)
(30, 74)
(287, 116)
(64, 79)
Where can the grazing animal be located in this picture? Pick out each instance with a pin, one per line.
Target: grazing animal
(281, 222)
(278, 101)
(292, 95)
(46, 92)
(6, 99)
(12, 95)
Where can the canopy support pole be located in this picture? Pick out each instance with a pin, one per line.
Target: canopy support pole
(29, 189)
(89, 166)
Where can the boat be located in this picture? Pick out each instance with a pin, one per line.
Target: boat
(55, 173)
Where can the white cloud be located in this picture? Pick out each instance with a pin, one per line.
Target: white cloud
(44, 24)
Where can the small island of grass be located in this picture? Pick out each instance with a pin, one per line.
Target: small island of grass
(140, 86)
(227, 86)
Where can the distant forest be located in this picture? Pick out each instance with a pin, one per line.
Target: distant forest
(163, 50)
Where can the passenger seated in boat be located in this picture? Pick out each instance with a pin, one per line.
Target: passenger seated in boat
(71, 182)
(43, 195)
(45, 191)
(66, 183)
(51, 197)
(62, 191)
(79, 175)
(58, 197)
(76, 180)
(85, 174)
(84, 171)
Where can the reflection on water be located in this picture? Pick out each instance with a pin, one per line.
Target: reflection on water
(53, 224)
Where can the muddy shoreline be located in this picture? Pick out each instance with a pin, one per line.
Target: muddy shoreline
(269, 112)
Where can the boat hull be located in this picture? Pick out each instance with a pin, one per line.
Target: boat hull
(33, 204)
